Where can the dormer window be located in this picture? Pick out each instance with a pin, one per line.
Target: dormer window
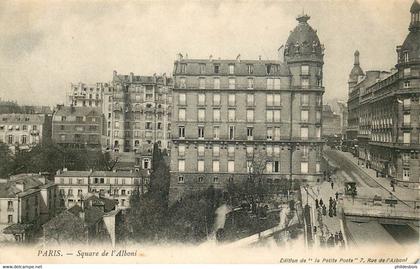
(231, 69)
(216, 69)
(183, 68)
(268, 68)
(406, 56)
(250, 69)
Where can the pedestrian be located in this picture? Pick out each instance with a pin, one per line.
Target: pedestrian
(332, 185)
(336, 238)
(340, 236)
(330, 241)
(330, 201)
(314, 229)
(324, 210)
(321, 203)
(330, 212)
(316, 204)
(335, 211)
(336, 195)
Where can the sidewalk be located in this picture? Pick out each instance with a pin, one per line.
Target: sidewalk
(324, 191)
(401, 192)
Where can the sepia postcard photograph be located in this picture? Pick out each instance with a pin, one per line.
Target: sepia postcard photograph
(210, 132)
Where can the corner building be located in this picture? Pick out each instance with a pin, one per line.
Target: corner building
(229, 115)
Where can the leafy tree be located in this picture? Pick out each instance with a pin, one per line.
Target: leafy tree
(6, 160)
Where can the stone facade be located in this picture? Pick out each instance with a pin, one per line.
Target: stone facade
(230, 115)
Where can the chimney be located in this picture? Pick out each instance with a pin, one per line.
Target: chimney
(259, 57)
(211, 58)
(131, 77)
(238, 58)
(65, 169)
(180, 57)
(186, 56)
(42, 179)
(114, 73)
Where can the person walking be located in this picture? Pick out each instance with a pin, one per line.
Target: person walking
(316, 204)
(324, 210)
(321, 203)
(336, 195)
(332, 185)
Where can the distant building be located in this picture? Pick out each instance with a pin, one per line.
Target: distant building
(26, 202)
(24, 130)
(73, 186)
(383, 119)
(88, 95)
(343, 112)
(138, 114)
(78, 127)
(231, 114)
(331, 122)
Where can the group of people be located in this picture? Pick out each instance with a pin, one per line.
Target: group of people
(332, 207)
(336, 239)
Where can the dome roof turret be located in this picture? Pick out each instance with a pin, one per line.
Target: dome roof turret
(356, 71)
(303, 42)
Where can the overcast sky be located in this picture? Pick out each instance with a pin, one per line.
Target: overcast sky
(46, 45)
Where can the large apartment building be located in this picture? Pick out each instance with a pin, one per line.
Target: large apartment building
(229, 115)
(78, 127)
(384, 111)
(87, 95)
(138, 113)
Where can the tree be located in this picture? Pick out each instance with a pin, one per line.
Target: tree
(6, 160)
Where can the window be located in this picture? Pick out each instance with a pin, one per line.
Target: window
(249, 150)
(201, 114)
(250, 69)
(277, 150)
(24, 139)
(216, 150)
(269, 100)
(276, 114)
(318, 132)
(305, 82)
(270, 83)
(407, 84)
(231, 69)
(216, 99)
(406, 174)
(407, 119)
(231, 83)
(146, 163)
(215, 180)
(407, 72)
(202, 83)
(200, 150)
(183, 68)
(268, 68)
(9, 205)
(181, 150)
(276, 100)
(318, 167)
(231, 132)
(269, 133)
(250, 99)
(216, 132)
(181, 165)
(407, 138)
(216, 83)
(277, 133)
(250, 83)
(249, 168)
(231, 114)
(304, 132)
(269, 115)
(269, 167)
(318, 116)
(200, 179)
(182, 99)
(181, 132)
(216, 68)
(181, 114)
(231, 166)
(200, 166)
(406, 56)
(276, 167)
(304, 167)
(216, 114)
(216, 166)
(249, 133)
(304, 115)
(407, 103)
(269, 150)
(231, 99)
(277, 84)
(305, 150)
(10, 139)
(304, 70)
(201, 132)
(304, 100)
(250, 115)
(202, 68)
(201, 99)
(180, 179)
(231, 150)
(9, 218)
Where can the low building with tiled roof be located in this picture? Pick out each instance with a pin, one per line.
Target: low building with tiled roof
(26, 201)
